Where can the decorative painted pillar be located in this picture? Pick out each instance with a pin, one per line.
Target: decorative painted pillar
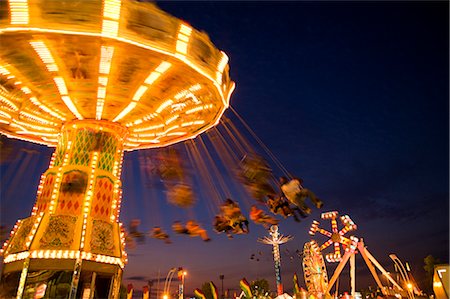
(75, 217)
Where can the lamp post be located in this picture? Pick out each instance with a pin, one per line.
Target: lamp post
(221, 277)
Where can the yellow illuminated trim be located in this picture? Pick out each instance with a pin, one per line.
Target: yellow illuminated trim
(168, 130)
(144, 135)
(25, 138)
(59, 81)
(184, 29)
(172, 119)
(148, 128)
(191, 123)
(33, 230)
(71, 106)
(164, 105)
(176, 134)
(33, 126)
(5, 114)
(162, 68)
(152, 78)
(221, 66)
(181, 46)
(45, 55)
(25, 90)
(102, 80)
(101, 92)
(19, 12)
(222, 62)
(110, 28)
(230, 91)
(125, 111)
(111, 9)
(99, 108)
(140, 140)
(88, 197)
(189, 91)
(16, 257)
(36, 102)
(65, 254)
(131, 42)
(199, 108)
(37, 118)
(141, 90)
(107, 53)
(4, 71)
(50, 139)
(7, 102)
(11, 235)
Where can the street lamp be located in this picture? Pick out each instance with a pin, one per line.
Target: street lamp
(221, 277)
(181, 274)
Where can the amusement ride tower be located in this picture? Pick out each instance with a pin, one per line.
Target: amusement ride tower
(94, 79)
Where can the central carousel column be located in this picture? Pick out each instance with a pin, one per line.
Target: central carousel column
(74, 224)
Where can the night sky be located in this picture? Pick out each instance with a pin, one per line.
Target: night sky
(351, 96)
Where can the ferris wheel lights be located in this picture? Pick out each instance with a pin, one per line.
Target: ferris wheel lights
(314, 227)
(329, 215)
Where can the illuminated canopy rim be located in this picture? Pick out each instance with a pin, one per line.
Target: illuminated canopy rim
(122, 61)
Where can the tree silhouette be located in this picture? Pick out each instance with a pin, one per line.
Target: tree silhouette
(430, 262)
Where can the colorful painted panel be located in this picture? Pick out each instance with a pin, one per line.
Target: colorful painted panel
(72, 193)
(59, 232)
(108, 145)
(61, 150)
(44, 198)
(102, 199)
(18, 242)
(85, 142)
(102, 238)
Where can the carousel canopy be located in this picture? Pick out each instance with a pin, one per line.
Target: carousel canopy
(126, 62)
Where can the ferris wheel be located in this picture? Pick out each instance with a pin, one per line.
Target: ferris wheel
(349, 246)
(336, 236)
(314, 270)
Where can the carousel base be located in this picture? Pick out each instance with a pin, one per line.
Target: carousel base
(61, 278)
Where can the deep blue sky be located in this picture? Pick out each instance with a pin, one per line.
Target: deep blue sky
(351, 96)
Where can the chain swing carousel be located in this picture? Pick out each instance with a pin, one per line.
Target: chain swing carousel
(94, 80)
